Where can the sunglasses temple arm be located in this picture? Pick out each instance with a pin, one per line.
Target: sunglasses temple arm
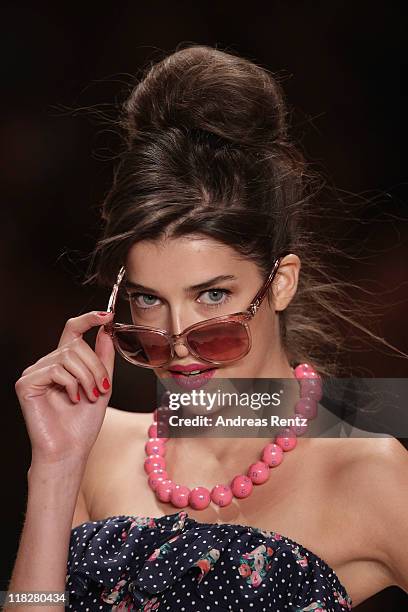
(256, 302)
(113, 296)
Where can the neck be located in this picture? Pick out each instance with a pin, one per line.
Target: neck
(215, 459)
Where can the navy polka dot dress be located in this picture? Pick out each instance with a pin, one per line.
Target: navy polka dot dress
(174, 562)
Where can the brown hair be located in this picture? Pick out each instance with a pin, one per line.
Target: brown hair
(207, 151)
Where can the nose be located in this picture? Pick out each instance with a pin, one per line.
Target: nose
(176, 325)
(180, 349)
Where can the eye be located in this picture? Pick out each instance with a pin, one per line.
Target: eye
(216, 296)
(143, 300)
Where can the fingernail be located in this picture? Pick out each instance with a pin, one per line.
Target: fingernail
(103, 314)
(78, 397)
(95, 392)
(105, 383)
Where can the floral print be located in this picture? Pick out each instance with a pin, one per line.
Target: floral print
(317, 606)
(117, 594)
(120, 596)
(206, 563)
(165, 548)
(301, 559)
(141, 564)
(254, 565)
(151, 604)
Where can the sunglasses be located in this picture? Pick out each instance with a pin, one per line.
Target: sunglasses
(219, 340)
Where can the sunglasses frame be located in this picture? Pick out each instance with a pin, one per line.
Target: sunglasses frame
(237, 317)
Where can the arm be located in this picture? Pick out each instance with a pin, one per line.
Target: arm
(63, 397)
(43, 549)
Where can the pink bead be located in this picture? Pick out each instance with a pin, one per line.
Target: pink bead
(286, 439)
(155, 477)
(155, 429)
(221, 495)
(155, 446)
(199, 498)
(258, 472)
(164, 489)
(300, 429)
(162, 431)
(304, 370)
(179, 496)
(307, 408)
(154, 462)
(312, 388)
(241, 486)
(272, 454)
(161, 414)
(152, 431)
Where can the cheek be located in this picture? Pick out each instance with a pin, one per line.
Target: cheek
(245, 368)
(263, 339)
(162, 374)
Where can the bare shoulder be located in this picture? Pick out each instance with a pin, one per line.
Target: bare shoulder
(373, 449)
(120, 426)
(367, 456)
(117, 427)
(372, 481)
(123, 422)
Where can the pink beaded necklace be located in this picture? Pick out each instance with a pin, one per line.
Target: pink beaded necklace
(241, 485)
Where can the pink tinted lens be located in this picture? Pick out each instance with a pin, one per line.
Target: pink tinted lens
(220, 341)
(145, 347)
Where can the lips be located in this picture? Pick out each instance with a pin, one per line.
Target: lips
(192, 369)
(192, 376)
(189, 373)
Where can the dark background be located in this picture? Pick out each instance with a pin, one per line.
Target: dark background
(344, 65)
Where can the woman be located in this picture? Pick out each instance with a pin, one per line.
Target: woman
(209, 204)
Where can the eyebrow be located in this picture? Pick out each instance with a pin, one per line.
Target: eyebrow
(200, 286)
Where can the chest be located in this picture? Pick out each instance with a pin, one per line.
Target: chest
(300, 501)
(303, 501)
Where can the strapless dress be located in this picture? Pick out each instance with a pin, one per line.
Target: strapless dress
(174, 562)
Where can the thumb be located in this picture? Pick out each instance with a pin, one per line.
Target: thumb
(105, 350)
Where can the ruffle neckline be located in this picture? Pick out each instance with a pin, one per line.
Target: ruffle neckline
(127, 576)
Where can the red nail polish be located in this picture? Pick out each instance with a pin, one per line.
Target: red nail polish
(78, 397)
(103, 314)
(95, 392)
(105, 383)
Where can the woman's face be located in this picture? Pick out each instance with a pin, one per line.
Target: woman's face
(166, 273)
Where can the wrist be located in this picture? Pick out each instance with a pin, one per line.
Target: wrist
(60, 470)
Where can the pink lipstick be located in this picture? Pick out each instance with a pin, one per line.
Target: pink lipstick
(193, 375)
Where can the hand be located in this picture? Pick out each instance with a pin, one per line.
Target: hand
(64, 395)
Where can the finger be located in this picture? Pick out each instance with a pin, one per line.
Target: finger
(105, 350)
(100, 376)
(46, 360)
(72, 361)
(78, 358)
(77, 326)
(36, 383)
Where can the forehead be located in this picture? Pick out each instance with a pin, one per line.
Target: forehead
(185, 258)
